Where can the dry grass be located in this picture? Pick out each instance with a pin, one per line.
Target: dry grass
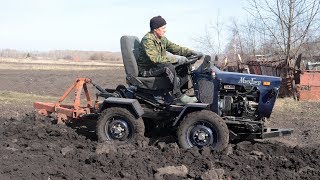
(29, 64)
(307, 108)
(54, 67)
(287, 104)
(9, 97)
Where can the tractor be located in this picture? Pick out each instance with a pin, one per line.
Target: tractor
(231, 106)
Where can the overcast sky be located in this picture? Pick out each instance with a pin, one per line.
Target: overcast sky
(44, 25)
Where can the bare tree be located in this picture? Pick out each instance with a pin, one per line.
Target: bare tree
(287, 22)
(207, 43)
(210, 42)
(218, 28)
(250, 37)
(236, 42)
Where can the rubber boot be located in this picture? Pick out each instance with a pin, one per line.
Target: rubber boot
(184, 99)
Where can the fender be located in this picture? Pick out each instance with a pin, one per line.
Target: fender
(132, 104)
(190, 107)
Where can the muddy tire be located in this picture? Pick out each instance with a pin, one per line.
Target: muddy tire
(120, 126)
(203, 129)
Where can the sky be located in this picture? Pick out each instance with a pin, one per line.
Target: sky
(97, 25)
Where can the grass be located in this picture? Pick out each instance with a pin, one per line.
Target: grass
(287, 104)
(9, 97)
(28, 64)
(284, 105)
(309, 109)
(56, 67)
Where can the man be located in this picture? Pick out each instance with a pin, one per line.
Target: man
(153, 60)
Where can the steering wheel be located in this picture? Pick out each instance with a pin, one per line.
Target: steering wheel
(192, 59)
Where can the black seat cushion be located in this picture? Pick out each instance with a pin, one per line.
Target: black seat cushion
(130, 46)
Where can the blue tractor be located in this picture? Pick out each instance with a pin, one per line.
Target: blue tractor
(231, 106)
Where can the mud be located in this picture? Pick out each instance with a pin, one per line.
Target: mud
(31, 147)
(34, 148)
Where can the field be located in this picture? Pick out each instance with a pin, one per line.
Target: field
(34, 148)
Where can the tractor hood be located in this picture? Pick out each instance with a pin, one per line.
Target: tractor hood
(259, 81)
(268, 86)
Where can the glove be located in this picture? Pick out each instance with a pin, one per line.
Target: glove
(181, 60)
(195, 53)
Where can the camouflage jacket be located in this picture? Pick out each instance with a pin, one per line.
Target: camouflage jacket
(153, 51)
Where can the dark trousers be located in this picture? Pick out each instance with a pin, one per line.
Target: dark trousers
(166, 70)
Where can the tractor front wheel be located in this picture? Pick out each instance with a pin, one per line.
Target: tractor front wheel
(119, 125)
(203, 129)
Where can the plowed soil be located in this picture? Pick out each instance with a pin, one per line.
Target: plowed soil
(31, 147)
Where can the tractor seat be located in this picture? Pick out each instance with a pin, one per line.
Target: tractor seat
(130, 46)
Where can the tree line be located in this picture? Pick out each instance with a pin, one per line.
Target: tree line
(283, 28)
(75, 55)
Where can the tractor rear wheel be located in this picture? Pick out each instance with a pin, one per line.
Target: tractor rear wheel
(203, 129)
(119, 125)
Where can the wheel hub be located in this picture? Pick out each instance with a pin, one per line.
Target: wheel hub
(201, 136)
(118, 129)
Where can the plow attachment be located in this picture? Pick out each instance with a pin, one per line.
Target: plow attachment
(68, 112)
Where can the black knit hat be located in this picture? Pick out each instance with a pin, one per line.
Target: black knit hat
(157, 22)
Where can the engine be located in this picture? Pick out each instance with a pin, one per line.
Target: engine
(238, 101)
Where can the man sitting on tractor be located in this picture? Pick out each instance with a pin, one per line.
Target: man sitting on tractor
(153, 60)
